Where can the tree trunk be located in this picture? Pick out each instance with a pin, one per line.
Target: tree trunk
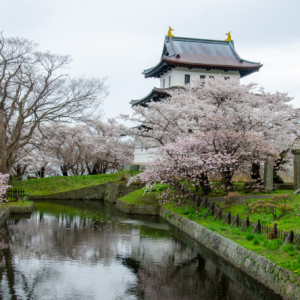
(226, 179)
(255, 172)
(19, 171)
(3, 157)
(277, 163)
(204, 183)
(42, 175)
(64, 171)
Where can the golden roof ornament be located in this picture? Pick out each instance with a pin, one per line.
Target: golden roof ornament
(229, 37)
(170, 32)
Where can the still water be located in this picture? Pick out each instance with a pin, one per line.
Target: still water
(90, 250)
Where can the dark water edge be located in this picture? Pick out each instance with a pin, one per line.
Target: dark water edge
(89, 249)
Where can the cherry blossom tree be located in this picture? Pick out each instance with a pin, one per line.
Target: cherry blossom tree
(248, 109)
(34, 91)
(93, 147)
(222, 150)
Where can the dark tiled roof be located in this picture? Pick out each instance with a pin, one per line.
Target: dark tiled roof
(198, 53)
(155, 94)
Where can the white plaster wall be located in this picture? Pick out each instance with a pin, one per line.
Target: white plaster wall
(177, 75)
(142, 155)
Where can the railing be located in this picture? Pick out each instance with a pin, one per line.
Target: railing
(271, 232)
(12, 195)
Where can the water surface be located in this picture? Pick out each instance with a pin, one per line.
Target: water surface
(91, 250)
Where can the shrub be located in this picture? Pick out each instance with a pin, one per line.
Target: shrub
(232, 197)
(249, 236)
(288, 248)
(255, 242)
(272, 244)
(273, 206)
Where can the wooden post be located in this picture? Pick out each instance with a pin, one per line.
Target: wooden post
(235, 221)
(273, 233)
(206, 204)
(246, 224)
(202, 203)
(257, 227)
(289, 239)
(213, 208)
(220, 214)
(228, 217)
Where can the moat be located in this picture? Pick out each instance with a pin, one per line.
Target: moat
(91, 250)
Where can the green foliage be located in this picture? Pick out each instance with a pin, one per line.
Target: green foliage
(255, 242)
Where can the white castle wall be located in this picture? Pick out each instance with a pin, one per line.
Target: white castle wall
(177, 75)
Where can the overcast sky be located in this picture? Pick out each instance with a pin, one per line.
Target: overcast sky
(119, 39)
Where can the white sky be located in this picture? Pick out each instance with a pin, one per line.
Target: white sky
(119, 39)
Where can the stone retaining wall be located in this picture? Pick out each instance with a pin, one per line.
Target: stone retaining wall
(15, 210)
(279, 280)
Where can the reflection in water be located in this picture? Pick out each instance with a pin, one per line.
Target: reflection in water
(90, 250)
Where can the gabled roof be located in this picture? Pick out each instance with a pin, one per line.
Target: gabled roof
(199, 53)
(155, 95)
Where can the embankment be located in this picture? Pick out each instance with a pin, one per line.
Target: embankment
(6, 211)
(279, 280)
(109, 191)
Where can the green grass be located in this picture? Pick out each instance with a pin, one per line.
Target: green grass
(15, 203)
(52, 185)
(137, 197)
(286, 223)
(287, 256)
(218, 191)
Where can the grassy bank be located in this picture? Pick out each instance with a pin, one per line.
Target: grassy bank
(218, 191)
(52, 185)
(15, 203)
(287, 256)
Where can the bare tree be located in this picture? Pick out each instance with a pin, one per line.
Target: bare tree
(34, 90)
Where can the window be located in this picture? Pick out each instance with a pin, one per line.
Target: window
(187, 79)
(169, 81)
(226, 78)
(164, 83)
(211, 77)
(202, 79)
